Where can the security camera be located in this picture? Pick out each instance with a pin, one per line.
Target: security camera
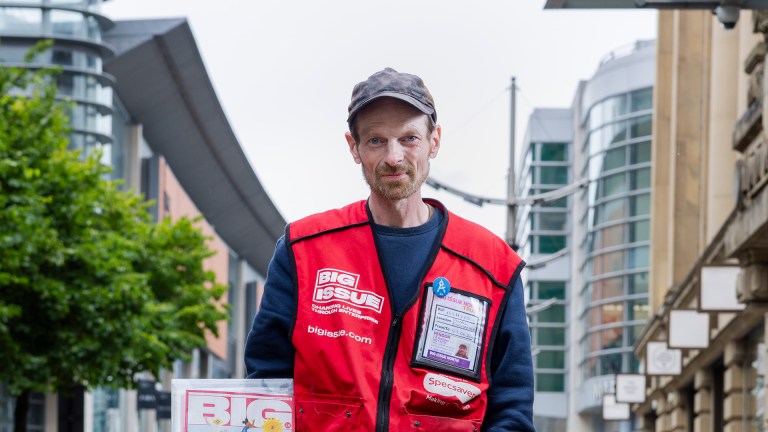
(728, 15)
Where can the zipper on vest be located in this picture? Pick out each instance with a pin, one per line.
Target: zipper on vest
(387, 375)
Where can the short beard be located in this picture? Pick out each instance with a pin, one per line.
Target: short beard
(402, 189)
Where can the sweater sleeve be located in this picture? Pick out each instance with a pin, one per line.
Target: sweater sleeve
(510, 396)
(269, 352)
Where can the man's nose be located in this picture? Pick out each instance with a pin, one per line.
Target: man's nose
(394, 153)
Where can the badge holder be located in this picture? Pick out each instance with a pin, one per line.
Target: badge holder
(451, 335)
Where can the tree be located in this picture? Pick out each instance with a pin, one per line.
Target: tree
(91, 291)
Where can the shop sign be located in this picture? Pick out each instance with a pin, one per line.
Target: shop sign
(718, 289)
(147, 395)
(613, 410)
(630, 388)
(662, 360)
(688, 329)
(163, 405)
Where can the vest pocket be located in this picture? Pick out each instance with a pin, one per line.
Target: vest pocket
(428, 423)
(318, 412)
(429, 412)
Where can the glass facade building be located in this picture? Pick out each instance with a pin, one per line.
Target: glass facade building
(76, 28)
(544, 230)
(600, 282)
(611, 236)
(617, 219)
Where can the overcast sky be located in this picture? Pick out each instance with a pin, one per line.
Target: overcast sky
(284, 72)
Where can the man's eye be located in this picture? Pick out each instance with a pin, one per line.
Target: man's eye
(375, 141)
(411, 138)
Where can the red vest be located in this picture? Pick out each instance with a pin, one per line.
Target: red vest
(356, 366)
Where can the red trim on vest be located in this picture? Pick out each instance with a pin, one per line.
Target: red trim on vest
(344, 320)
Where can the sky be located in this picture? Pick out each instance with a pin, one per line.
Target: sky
(284, 70)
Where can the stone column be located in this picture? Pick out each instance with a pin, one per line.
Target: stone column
(687, 129)
(659, 277)
(663, 422)
(723, 112)
(738, 410)
(677, 407)
(702, 401)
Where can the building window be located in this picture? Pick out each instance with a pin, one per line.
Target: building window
(607, 237)
(608, 263)
(611, 363)
(614, 184)
(611, 313)
(550, 244)
(550, 382)
(638, 257)
(21, 20)
(637, 310)
(641, 152)
(611, 211)
(640, 127)
(36, 414)
(553, 175)
(639, 231)
(614, 158)
(550, 359)
(641, 179)
(641, 99)
(552, 289)
(554, 152)
(638, 283)
(68, 23)
(550, 336)
(552, 221)
(609, 288)
(552, 314)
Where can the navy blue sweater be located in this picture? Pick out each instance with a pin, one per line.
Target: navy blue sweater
(269, 352)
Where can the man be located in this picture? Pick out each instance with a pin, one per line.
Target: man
(462, 352)
(363, 306)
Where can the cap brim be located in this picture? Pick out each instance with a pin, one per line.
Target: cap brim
(403, 97)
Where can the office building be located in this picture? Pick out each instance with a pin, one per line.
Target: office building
(610, 267)
(544, 230)
(603, 139)
(143, 96)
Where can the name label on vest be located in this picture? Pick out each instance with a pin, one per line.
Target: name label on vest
(338, 286)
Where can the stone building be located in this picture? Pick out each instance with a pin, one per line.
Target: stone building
(709, 229)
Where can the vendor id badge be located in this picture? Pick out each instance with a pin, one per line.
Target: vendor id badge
(451, 333)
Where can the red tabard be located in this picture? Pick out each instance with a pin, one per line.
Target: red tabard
(356, 366)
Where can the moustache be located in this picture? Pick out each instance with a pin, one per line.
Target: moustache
(404, 167)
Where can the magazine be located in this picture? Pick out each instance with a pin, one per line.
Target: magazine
(232, 405)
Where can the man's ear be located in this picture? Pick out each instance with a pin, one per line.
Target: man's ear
(352, 147)
(434, 141)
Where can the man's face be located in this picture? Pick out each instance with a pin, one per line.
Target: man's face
(462, 351)
(394, 148)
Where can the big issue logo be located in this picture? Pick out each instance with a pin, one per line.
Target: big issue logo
(231, 411)
(338, 286)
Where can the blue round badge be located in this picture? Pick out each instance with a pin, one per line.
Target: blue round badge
(441, 287)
